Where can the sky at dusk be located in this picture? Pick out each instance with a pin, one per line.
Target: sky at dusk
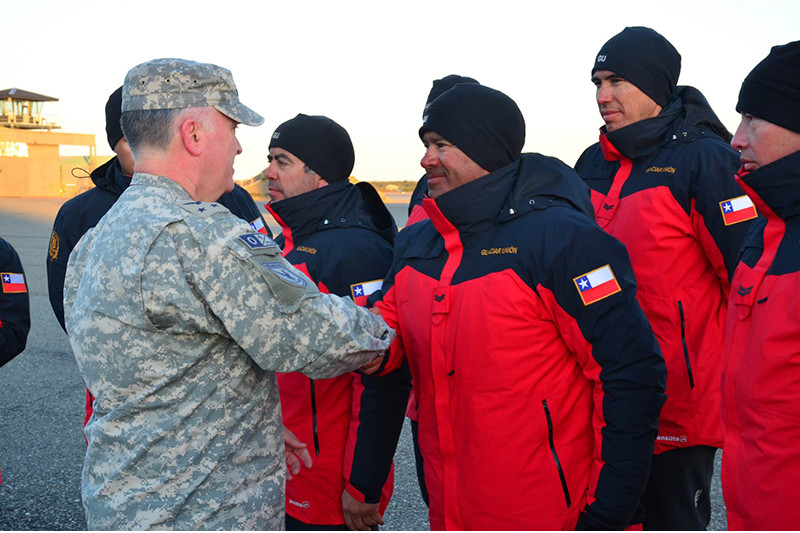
(369, 65)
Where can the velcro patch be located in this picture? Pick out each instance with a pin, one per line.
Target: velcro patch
(256, 241)
(204, 209)
(284, 273)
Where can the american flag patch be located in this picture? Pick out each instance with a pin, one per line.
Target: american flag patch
(737, 210)
(596, 285)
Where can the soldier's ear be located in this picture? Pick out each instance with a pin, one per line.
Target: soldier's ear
(191, 132)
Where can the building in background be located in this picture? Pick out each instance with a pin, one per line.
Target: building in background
(30, 161)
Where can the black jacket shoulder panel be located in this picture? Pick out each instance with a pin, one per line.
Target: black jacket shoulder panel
(419, 194)
(699, 116)
(547, 181)
(339, 205)
(240, 203)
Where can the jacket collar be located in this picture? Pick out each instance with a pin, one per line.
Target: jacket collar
(109, 177)
(775, 188)
(338, 205)
(645, 137)
(686, 118)
(532, 182)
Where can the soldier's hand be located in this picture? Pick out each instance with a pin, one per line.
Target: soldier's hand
(360, 516)
(372, 367)
(297, 454)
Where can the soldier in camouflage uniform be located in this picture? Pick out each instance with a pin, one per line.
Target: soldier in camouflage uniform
(179, 315)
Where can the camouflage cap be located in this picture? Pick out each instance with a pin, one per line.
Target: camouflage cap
(179, 84)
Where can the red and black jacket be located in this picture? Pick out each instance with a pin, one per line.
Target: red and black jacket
(537, 400)
(761, 379)
(664, 186)
(15, 316)
(341, 236)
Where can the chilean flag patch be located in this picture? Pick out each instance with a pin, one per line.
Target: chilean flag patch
(737, 210)
(360, 291)
(13, 282)
(596, 285)
(258, 225)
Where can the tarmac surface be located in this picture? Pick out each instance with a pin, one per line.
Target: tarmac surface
(42, 404)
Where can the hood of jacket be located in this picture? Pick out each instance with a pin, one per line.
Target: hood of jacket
(109, 177)
(533, 182)
(338, 205)
(687, 118)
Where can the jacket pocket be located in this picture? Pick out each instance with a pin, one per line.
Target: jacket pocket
(685, 345)
(561, 475)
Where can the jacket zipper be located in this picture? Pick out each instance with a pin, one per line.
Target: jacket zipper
(685, 346)
(314, 417)
(555, 455)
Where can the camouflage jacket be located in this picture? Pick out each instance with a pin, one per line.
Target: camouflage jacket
(179, 315)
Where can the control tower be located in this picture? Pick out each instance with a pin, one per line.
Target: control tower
(30, 162)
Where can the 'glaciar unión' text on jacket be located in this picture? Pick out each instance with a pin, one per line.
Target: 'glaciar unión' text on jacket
(341, 236)
(538, 377)
(662, 186)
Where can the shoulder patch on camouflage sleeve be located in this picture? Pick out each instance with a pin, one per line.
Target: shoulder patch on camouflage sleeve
(287, 284)
(248, 244)
(256, 241)
(203, 209)
(289, 275)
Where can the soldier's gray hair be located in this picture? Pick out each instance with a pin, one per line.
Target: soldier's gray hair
(155, 128)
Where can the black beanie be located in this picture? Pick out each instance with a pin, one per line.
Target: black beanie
(646, 59)
(320, 143)
(482, 122)
(442, 85)
(113, 114)
(772, 89)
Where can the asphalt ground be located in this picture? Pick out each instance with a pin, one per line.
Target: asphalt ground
(42, 396)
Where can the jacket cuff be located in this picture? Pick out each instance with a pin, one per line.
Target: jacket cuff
(360, 496)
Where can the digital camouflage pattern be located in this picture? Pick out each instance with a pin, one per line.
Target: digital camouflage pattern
(179, 316)
(179, 84)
